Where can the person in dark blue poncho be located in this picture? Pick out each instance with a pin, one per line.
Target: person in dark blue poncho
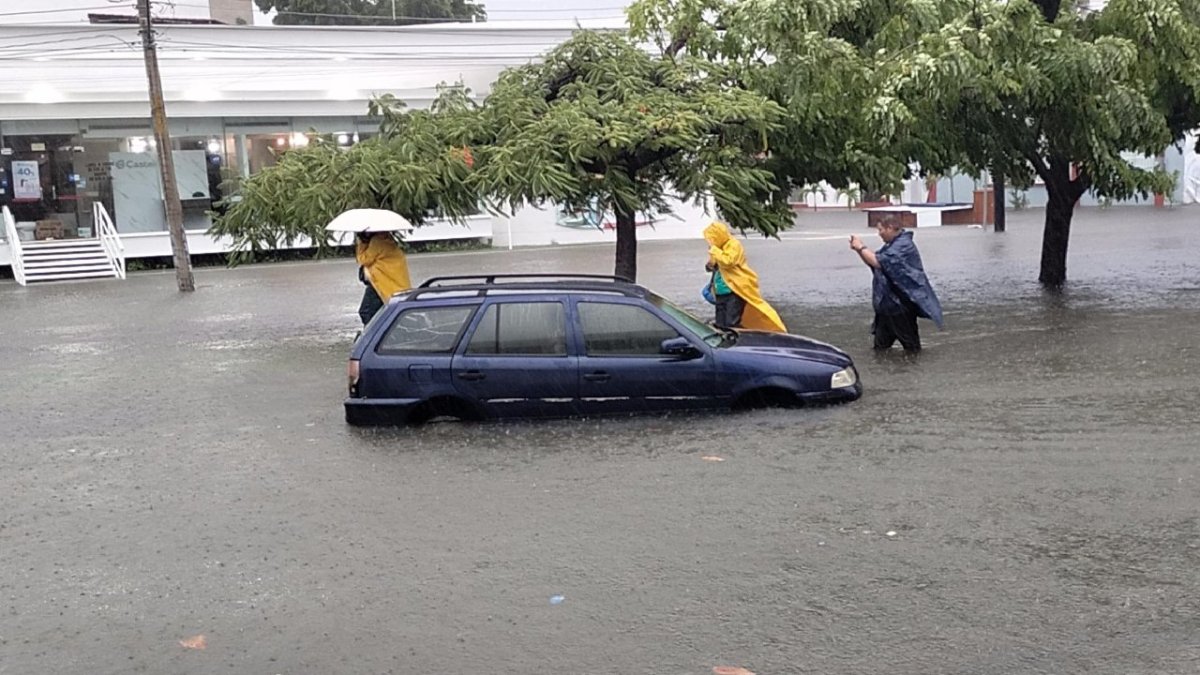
(900, 291)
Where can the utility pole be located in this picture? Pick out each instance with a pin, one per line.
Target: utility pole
(393, 12)
(166, 162)
(998, 223)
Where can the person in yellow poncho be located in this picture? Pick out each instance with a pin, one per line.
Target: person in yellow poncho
(735, 285)
(383, 268)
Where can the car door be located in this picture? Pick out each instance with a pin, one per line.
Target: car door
(412, 357)
(622, 367)
(516, 361)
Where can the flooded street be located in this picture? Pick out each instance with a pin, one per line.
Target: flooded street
(1021, 498)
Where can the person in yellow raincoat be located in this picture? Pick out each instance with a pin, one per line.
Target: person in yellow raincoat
(383, 268)
(735, 285)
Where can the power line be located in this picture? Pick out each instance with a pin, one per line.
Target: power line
(53, 11)
(448, 19)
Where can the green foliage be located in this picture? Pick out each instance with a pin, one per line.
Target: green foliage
(1003, 88)
(601, 121)
(415, 167)
(369, 12)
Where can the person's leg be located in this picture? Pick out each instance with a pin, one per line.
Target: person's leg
(885, 334)
(722, 310)
(734, 311)
(905, 329)
(371, 303)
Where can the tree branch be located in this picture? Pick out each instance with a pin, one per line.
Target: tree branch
(1050, 8)
(559, 82)
(1081, 184)
(1039, 165)
(677, 45)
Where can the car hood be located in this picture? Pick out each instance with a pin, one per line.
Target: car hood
(788, 346)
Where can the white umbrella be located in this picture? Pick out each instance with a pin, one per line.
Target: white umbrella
(369, 220)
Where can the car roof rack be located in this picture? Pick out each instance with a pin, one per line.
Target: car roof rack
(489, 279)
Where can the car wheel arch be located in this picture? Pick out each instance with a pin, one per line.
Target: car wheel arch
(445, 405)
(765, 390)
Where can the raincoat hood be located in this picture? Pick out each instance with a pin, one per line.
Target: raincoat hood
(717, 234)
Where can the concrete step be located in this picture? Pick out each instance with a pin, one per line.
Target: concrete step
(100, 262)
(58, 243)
(43, 276)
(63, 257)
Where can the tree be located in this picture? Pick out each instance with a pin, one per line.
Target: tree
(1018, 88)
(418, 167)
(1044, 88)
(816, 60)
(600, 122)
(370, 12)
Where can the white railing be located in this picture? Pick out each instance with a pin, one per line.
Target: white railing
(14, 246)
(109, 239)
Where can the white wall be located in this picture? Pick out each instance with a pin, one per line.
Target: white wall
(531, 226)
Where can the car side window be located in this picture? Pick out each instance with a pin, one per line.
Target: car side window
(426, 330)
(610, 329)
(521, 329)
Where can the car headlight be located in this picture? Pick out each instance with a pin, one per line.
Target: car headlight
(843, 378)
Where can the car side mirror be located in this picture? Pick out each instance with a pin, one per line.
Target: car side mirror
(680, 347)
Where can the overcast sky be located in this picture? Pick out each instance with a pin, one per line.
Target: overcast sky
(72, 11)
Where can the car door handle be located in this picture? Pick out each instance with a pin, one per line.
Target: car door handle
(471, 376)
(598, 376)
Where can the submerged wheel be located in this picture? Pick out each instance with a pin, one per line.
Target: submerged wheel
(443, 407)
(767, 397)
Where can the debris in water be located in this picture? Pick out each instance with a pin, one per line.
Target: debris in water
(730, 670)
(198, 642)
(557, 599)
(712, 458)
(891, 533)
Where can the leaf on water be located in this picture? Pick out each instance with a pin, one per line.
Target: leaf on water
(197, 642)
(730, 670)
(712, 458)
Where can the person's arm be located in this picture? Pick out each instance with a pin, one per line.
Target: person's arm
(722, 256)
(865, 254)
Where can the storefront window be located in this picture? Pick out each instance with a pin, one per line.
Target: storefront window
(40, 185)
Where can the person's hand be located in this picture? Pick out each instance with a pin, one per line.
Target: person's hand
(710, 267)
(856, 243)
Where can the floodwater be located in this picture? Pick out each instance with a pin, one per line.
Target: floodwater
(1021, 498)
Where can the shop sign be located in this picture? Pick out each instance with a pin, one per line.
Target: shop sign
(27, 182)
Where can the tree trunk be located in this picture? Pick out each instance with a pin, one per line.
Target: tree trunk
(626, 265)
(1055, 238)
(998, 191)
(1064, 193)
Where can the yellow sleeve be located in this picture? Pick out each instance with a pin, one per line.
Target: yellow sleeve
(730, 254)
(371, 253)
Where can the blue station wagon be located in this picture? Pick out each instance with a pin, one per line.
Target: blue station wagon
(526, 346)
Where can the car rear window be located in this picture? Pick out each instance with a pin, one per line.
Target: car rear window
(426, 330)
(521, 329)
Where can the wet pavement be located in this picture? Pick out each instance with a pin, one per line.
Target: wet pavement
(1020, 499)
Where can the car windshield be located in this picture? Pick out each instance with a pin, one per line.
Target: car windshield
(714, 337)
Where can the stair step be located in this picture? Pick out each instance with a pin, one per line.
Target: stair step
(58, 250)
(64, 276)
(58, 243)
(101, 263)
(64, 258)
(97, 269)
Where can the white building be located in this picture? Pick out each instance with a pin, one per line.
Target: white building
(75, 132)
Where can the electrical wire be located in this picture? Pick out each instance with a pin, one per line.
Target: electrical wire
(53, 11)
(399, 17)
